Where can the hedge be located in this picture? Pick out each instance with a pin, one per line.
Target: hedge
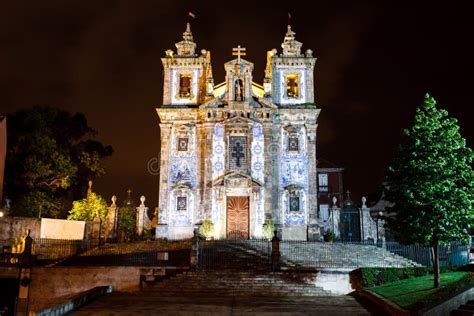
(369, 277)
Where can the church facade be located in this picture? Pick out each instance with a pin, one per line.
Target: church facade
(238, 153)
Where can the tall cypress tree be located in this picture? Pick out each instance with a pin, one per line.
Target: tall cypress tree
(430, 183)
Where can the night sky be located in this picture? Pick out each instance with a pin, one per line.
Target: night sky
(375, 63)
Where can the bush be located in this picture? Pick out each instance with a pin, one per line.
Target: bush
(268, 229)
(88, 208)
(370, 277)
(329, 236)
(206, 229)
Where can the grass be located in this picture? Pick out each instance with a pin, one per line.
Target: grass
(417, 293)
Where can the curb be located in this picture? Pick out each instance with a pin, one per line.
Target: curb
(384, 304)
(75, 302)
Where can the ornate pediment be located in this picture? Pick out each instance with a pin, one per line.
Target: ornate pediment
(239, 120)
(236, 179)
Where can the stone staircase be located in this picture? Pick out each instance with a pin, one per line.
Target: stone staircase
(235, 269)
(340, 256)
(239, 284)
(464, 309)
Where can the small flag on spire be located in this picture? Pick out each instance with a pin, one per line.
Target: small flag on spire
(191, 14)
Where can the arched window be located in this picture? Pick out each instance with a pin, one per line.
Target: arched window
(185, 85)
(292, 90)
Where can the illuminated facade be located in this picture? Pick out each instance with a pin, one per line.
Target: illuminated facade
(238, 153)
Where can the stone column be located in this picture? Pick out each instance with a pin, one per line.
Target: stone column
(165, 134)
(111, 220)
(335, 218)
(143, 221)
(274, 151)
(368, 226)
(206, 166)
(268, 172)
(312, 179)
(201, 210)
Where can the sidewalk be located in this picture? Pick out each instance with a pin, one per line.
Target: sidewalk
(146, 303)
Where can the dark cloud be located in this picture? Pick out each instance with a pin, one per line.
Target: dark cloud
(102, 58)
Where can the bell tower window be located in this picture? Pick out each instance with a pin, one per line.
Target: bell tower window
(292, 86)
(185, 86)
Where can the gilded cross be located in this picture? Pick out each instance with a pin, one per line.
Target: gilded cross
(238, 51)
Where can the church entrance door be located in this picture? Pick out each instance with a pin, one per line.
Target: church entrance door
(237, 217)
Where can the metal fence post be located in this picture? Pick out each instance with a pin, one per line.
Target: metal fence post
(193, 262)
(275, 252)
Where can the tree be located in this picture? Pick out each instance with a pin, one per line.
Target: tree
(50, 157)
(127, 222)
(88, 208)
(430, 183)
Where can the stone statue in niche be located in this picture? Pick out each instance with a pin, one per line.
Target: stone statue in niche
(239, 87)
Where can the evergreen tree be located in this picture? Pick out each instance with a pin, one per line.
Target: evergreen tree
(430, 183)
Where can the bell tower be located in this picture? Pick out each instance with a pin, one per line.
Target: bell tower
(239, 77)
(291, 74)
(187, 76)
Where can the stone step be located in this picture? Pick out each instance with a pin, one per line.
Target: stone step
(462, 312)
(240, 293)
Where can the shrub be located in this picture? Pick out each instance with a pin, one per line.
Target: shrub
(370, 277)
(268, 229)
(207, 228)
(329, 236)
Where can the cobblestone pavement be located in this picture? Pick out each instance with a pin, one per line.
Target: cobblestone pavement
(145, 303)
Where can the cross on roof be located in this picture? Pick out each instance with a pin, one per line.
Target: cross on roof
(238, 51)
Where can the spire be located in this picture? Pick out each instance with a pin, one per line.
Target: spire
(187, 45)
(290, 45)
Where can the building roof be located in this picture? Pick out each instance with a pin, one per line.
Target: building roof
(323, 165)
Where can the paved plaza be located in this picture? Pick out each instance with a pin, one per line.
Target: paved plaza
(151, 303)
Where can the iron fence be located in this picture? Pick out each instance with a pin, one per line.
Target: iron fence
(149, 253)
(253, 254)
(52, 250)
(256, 254)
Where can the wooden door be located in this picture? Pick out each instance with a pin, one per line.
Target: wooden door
(237, 217)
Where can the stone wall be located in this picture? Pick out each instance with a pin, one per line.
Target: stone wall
(13, 227)
(54, 284)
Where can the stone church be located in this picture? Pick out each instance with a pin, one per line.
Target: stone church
(238, 152)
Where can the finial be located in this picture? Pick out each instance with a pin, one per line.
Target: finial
(142, 199)
(187, 45)
(290, 45)
(364, 199)
(89, 190)
(334, 201)
(348, 193)
(114, 199)
(188, 35)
